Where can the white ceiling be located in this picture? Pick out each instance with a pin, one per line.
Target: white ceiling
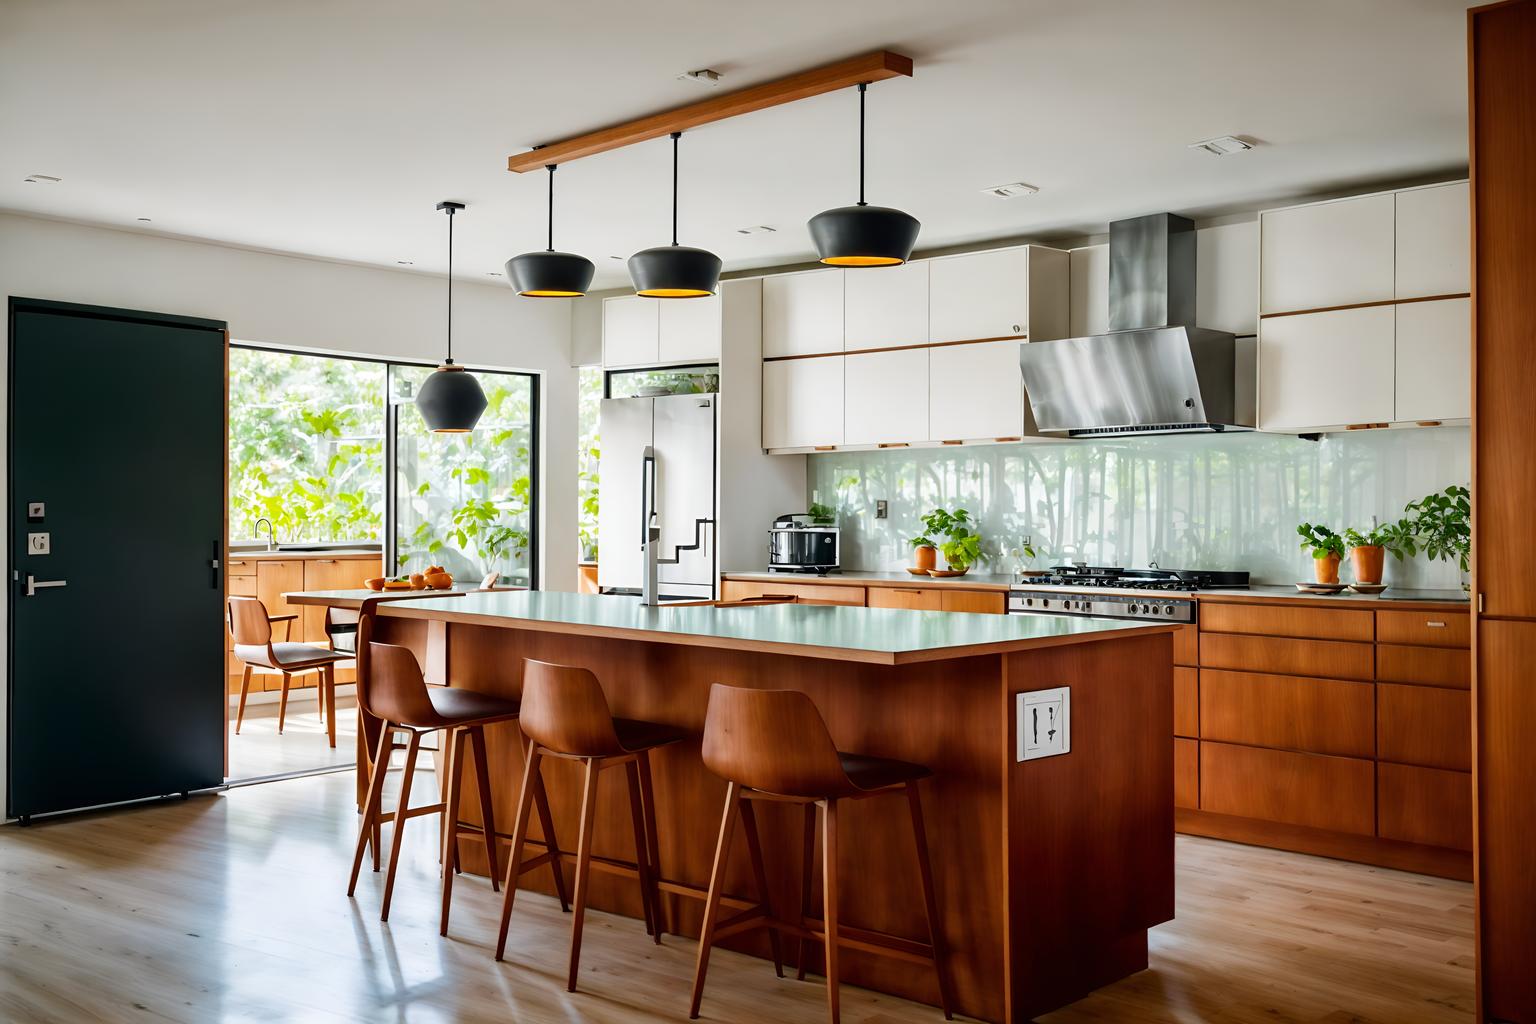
(332, 127)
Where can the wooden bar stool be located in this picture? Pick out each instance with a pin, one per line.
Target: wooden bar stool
(774, 745)
(251, 627)
(390, 687)
(565, 715)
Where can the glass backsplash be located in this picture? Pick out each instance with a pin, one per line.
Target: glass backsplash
(1203, 501)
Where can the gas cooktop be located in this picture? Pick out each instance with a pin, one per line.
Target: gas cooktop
(1082, 575)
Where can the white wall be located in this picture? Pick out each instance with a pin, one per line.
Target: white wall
(326, 307)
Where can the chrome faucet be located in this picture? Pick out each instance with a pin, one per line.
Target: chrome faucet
(271, 536)
(650, 528)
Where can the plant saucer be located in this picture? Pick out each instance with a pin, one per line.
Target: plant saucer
(1367, 588)
(1320, 588)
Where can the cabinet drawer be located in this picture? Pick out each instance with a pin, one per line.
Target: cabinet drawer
(1287, 620)
(239, 567)
(1424, 805)
(241, 586)
(1424, 666)
(982, 602)
(1432, 629)
(1334, 659)
(806, 593)
(1186, 773)
(1186, 702)
(1322, 716)
(918, 598)
(1314, 790)
(1186, 645)
(1424, 725)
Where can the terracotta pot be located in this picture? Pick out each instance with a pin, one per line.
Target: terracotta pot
(1369, 560)
(1326, 568)
(927, 557)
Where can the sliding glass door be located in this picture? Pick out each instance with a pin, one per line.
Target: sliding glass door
(466, 501)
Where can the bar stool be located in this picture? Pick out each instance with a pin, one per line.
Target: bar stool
(251, 627)
(390, 687)
(774, 745)
(565, 715)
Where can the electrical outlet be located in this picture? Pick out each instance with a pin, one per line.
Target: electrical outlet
(37, 544)
(882, 508)
(1044, 723)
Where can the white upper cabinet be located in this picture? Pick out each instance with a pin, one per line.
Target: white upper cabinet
(690, 330)
(1004, 293)
(803, 402)
(1434, 228)
(1434, 361)
(803, 313)
(1090, 291)
(975, 392)
(886, 306)
(887, 397)
(1329, 254)
(1321, 371)
(631, 331)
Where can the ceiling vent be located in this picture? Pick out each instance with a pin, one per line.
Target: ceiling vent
(703, 76)
(1011, 190)
(756, 229)
(1226, 145)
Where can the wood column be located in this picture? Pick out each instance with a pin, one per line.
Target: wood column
(1502, 94)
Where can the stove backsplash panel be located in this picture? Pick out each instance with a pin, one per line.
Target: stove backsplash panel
(1196, 502)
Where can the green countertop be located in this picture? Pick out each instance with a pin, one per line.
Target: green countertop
(884, 636)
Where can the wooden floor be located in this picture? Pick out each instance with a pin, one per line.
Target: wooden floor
(233, 908)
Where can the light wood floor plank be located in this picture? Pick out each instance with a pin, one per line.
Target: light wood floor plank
(233, 908)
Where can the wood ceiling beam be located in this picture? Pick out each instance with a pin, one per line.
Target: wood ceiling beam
(871, 67)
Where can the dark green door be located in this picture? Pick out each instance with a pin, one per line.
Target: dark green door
(117, 450)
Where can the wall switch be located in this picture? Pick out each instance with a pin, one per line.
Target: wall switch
(36, 510)
(882, 508)
(37, 543)
(1044, 723)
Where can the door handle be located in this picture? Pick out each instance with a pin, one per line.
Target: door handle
(34, 585)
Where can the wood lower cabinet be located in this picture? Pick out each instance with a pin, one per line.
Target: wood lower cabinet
(1320, 716)
(805, 593)
(1424, 725)
(1186, 773)
(931, 599)
(1430, 806)
(1424, 666)
(1186, 701)
(268, 579)
(1326, 658)
(1311, 790)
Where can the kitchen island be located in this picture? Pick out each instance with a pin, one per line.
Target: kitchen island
(1048, 871)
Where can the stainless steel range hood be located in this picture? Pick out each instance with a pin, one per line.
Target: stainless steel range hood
(1155, 372)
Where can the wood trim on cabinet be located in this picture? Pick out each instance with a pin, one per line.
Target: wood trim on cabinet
(1315, 790)
(893, 348)
(869, 67)
(1319, 716)
(1289, 620)
(1329, 659)
(1366, 305)
(1388, 853)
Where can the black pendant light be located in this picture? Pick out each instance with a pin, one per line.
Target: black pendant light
(863, 235)
(674, 271)
(550, 274)
(450, 400)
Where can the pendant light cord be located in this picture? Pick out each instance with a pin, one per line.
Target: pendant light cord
(549, 246)
(862, 87)
(675, 137)
(449, 361)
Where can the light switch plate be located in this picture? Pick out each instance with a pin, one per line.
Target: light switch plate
(36, 510)
(37, 543)
(1044, 723)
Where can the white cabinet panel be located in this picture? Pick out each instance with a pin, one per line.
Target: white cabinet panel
(631, 329)
(975, 392)
(1329, 369)
(803, 313)
(1434, 227)
(1434, 360)
(803, 402)
(1090, 290)
(690, 330)
(979, 295)
(684, 432)
(886, 306)
(1328, 254)
(887, 397)
(626, 428)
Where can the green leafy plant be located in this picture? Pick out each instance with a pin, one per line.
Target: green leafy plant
(1395, 538)
(822, 514)
(1440, 525)
(961, 542)
(1320, 540)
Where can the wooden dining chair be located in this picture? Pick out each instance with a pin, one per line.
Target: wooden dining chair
(251, 627)
(774, 745)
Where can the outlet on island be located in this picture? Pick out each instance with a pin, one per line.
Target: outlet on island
(1044, 723)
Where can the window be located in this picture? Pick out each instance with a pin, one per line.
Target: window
(671, 380)
(307, 451)
(465, 501)
(589, 448)
(306, 447)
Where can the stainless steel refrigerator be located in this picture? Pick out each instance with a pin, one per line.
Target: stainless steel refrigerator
(678, 484)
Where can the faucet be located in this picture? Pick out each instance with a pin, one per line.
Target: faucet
(650, 528)
(271, 537)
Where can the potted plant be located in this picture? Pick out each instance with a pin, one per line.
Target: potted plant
(961, 543)
(1327, 550)
(1440, 525)
(1368, 551)
(924, 552)
(822, 515)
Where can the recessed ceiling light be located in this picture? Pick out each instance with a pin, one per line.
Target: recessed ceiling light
(492, 273)
(1010, 190)
(756, 229)
(1224, 145)
(144, 220)
(406, 263)
(616, 257)
(703, 76)
(42, 179)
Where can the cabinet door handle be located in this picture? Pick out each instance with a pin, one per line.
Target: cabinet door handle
(1435, 625)
(324, 561)
(777, 597)
(906, 590)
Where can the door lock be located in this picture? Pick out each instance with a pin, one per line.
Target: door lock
(34, 584)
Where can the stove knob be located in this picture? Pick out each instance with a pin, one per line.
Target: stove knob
(1045, 602)
(1168, 610)
(1029, 602)
(1134, 609)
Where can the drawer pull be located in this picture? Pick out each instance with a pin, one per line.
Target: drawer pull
(1435, 625)
(778, 597)
(905, 590)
